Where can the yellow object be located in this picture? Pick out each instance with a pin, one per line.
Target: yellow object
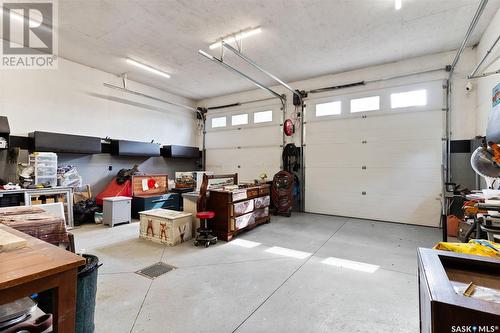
(478, 247)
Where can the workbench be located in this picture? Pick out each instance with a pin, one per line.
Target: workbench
(38, 267)
(29, 194)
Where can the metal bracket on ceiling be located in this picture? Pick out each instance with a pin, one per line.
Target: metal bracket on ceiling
(260, 69)
(124, 80)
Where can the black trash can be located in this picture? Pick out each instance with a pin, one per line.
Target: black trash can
(85, 295)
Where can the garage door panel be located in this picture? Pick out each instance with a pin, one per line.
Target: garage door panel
(384, 165)
(401, 126)
(258, 136)
(248, 162)
(376, 180)
(413, 210)
(421, 154)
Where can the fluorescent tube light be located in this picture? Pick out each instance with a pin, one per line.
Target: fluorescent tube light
(148, 68)
(236, 37)
(398, 4)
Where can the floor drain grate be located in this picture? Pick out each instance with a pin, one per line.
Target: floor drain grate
(155, 270)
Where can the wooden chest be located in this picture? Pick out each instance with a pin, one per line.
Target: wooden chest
(151, 192)
(165, 226)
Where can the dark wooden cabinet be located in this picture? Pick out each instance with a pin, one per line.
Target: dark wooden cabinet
(239, 210)
(443, 307)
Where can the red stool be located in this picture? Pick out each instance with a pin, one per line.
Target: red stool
(204, 232)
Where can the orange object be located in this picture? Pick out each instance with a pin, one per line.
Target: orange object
(115, 190)
(496, 152)
(452, 223)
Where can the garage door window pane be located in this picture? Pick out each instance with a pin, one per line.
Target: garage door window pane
(328, 109)
(262, 117)
(218, 122)
(365, 104)
(239, 119)
(408, 99)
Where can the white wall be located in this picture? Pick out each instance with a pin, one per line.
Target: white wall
(463, 104)
(492, 63)
(72, 99)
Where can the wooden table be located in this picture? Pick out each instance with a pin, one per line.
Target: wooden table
(38, 267)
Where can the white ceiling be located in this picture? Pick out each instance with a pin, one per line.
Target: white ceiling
(300, 39)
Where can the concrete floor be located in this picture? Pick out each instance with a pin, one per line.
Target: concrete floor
(307, 273)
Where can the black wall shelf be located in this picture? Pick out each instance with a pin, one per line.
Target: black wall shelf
(64, 143)
(134, 148)
(174, 151)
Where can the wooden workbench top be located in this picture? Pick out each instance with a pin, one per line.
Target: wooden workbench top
(38, 259)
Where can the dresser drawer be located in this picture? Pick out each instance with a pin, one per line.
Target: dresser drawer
(242, 221)
(252, 193)
(262, 202)
(264, 191)
(243, 207)
(261, 213)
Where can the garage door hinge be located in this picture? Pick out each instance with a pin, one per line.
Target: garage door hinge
(364, 117)
(363, 193)
(444, 109)
(363, 167)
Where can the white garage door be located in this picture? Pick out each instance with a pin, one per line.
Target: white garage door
(383, 164)
(246, 141)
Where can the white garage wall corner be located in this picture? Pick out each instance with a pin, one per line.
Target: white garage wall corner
(72, 99)
(485, 85)
(463, 103)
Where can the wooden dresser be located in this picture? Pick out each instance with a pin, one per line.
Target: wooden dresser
(239, 210)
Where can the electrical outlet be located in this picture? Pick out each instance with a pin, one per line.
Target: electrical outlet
(110, 168)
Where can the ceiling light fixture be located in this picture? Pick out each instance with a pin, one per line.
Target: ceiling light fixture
(398, 4)
(233, 38)
(148, 68)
